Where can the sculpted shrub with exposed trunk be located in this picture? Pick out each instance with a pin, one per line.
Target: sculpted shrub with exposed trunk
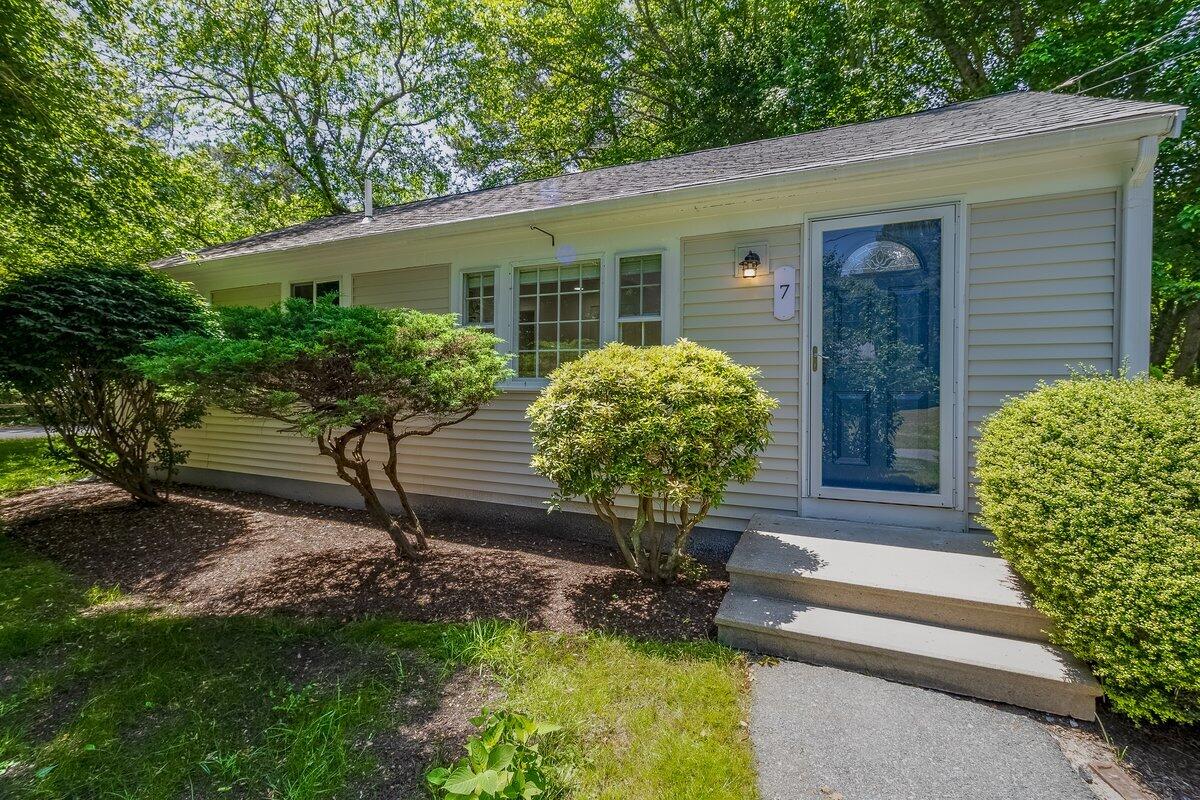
(65, 335)
(669, 427)
(338, 375)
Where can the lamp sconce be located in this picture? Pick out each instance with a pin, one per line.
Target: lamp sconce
(750, 260)
(749, 265)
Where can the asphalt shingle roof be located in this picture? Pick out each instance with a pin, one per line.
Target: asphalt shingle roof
(1003, 116)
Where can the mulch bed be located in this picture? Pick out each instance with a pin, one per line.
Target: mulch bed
(223, 552)
(1164, 759)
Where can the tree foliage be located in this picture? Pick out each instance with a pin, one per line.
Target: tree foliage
(567, 86)
(671, 425)
(80, 180)
(334, 91)
(338, 375)
(65, 335)
(1090, 486)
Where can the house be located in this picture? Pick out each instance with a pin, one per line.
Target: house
(894, 281)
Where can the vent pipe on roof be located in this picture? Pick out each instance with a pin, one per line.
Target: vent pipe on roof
(368, 202)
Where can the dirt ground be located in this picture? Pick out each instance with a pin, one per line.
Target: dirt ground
(222, 552)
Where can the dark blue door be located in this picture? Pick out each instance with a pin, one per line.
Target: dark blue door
(881, 342)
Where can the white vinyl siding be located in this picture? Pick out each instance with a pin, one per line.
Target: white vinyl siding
(485, 458)
(1041, 297)
(1040, 300)
(260, 296)
(736, 315)
(422, 288)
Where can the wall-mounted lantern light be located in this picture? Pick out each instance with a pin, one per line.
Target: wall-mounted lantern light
(750, 264)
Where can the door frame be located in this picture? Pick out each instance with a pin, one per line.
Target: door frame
(948, 457)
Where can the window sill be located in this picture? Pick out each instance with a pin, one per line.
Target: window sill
(524, 385)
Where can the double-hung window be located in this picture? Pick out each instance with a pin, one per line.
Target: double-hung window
(315, 290)
(479, 299)
(558, 315)
(639, 300)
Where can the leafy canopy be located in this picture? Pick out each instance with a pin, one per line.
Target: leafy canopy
(334, 92)
(319, 365)
(89, 317)
(1091, 488)
(66, 335)
(678, 421)
(84, 177)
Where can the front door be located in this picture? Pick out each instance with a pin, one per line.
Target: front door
(880, 356)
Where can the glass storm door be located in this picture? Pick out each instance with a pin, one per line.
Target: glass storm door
(880, 360)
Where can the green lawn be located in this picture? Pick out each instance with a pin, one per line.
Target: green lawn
(26, 464)
(103, 698)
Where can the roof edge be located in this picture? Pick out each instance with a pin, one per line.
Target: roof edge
(1176, 114)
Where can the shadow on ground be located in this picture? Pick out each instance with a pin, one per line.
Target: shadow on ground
(221, 552)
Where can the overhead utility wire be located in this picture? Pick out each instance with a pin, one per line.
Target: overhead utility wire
(1135, 51)
(1162, 63)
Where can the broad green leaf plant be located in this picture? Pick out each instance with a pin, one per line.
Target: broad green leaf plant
(670, 425)
(338, 375)
(504, 760)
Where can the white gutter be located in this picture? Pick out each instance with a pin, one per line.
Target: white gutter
(1137, 246)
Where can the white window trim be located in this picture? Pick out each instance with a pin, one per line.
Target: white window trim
(608, 324)
(343, 298)
(660, 317)
(506, 300)
(459, 304)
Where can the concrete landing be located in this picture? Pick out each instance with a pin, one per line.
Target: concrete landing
(821, 733)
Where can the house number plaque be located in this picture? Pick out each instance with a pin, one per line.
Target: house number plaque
(785, 292)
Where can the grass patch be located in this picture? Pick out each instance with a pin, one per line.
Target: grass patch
(27, 464)
(645, 720)
(100, 699)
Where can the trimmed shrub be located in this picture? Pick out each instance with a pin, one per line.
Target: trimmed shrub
(1092, 487)
(66, 333)
(339, 375)
(673, 425)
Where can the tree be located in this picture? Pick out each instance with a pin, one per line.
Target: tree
(80, 182)
(65, 335)
(674, 424)
(556, 86)
(338, 375)
(334, 91)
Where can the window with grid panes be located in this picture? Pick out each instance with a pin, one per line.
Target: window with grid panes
(479, 299)
(558, 315)
(639, 300)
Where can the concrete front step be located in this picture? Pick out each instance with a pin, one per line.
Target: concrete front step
(1029, 674)
(950, 579)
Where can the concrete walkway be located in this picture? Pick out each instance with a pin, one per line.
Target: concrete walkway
(22, 432)
(827, 734)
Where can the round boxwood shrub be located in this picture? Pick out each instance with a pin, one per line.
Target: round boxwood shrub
(1092, 488)
(671, 425)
